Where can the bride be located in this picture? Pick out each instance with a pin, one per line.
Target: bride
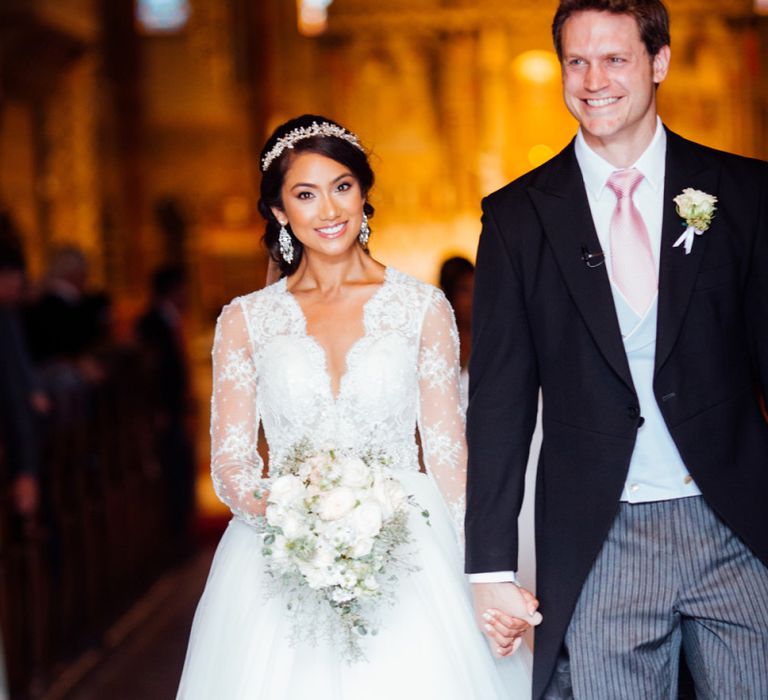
(344, 351)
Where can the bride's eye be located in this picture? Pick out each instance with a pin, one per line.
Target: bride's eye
(344, 186)
(306, 194)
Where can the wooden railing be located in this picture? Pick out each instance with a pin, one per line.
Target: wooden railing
(101, 533)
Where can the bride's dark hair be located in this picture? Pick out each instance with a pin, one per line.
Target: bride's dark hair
(334, 147)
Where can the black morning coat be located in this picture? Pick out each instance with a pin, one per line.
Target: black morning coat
(544, 317)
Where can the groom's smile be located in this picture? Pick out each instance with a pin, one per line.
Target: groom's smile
(603, 102)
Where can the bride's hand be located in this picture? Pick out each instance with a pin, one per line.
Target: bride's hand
(505, 612)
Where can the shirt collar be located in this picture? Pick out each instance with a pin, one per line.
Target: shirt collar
(596, 170)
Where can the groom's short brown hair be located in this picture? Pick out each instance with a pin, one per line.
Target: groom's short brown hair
(651, 16)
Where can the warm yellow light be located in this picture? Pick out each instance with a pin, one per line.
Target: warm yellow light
(312, 16)
(537, 66)
(539, 154)
(236, 210)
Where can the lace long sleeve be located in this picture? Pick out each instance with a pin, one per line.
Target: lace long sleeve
(441, 418)
(235, 462)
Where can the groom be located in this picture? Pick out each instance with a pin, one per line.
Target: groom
(647, 332)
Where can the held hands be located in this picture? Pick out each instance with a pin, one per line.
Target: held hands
(504, 611)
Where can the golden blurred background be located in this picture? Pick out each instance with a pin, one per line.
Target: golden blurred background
(131, 128)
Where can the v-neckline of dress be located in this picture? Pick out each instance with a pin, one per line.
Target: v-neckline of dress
(320, 348)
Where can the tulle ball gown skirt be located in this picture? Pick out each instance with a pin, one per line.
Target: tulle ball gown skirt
(428, 646)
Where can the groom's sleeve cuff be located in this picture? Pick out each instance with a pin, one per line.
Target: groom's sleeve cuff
(493, 577)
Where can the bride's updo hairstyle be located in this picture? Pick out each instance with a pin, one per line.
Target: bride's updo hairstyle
(309, 133)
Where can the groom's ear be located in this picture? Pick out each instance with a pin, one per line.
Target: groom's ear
(661, 64)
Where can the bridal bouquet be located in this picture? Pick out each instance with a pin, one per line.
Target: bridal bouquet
(333, 537)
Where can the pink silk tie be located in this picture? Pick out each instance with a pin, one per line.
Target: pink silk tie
(632, 265)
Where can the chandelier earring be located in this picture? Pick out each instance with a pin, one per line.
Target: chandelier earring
(365, 232)
(285, 243)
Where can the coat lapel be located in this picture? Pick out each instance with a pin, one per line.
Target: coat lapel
(563, 207)
(677, 271)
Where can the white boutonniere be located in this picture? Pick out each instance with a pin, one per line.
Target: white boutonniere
(698, 210)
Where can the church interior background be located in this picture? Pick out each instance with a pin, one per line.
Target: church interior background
(131, 128)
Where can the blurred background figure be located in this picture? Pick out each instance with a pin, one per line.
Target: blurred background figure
(56, 320)
(160, 331)
(18, 438)
(19, 435)
(457, 276)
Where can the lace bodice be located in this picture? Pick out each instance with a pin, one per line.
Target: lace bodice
(402, 372)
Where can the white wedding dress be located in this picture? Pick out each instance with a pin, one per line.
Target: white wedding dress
(401, 373)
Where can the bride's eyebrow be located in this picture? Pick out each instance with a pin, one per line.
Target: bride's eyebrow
(304, 185)
(315, 186)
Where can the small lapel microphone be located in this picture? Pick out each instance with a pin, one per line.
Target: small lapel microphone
(592, 259)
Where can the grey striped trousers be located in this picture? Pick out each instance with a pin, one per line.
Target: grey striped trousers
(669, 573)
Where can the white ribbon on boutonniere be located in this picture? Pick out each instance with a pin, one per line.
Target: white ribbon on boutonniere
(697, 208)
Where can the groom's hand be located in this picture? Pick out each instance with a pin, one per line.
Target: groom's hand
(504, 612)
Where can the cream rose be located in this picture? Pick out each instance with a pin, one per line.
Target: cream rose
(292, 525)
(286, 490)
(696, 207)
(313, 469)
(389, 493)
(362, 547)
(366, 519)
(335, 504)
(354, 473)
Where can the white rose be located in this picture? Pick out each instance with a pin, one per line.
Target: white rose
(366, 519)
(695, 206)
(292, 525)
(354, 473)
(336, 503)
(702, 199)
(390, 495)
(362, 547)
(286, 490)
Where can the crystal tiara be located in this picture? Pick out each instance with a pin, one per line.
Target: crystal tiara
(305, 132)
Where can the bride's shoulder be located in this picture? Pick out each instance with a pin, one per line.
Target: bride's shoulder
(414, 287)
(271, 295)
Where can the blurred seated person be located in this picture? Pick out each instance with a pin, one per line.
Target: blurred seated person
(161, 337)
(457, 276)
(19, 437)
